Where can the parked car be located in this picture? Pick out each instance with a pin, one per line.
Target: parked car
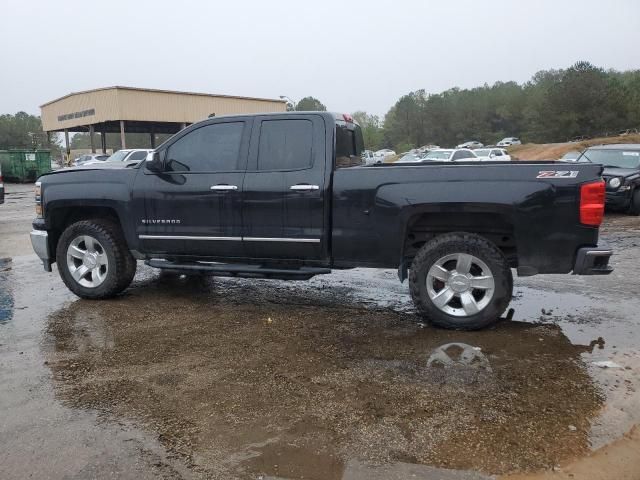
(90, 157)
(381, 155)
(427, 148)
(129, 157)
(493, 154)
(450, 155)
(1, 187)
(410, 157)
(204, 202)
(471, 144)
(508, 141)
(571, 156)
(369, 158)
(621, 173)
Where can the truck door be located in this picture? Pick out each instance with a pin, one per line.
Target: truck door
(285, 189)
(194, 206)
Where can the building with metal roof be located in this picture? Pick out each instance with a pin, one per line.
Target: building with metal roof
(141, 110)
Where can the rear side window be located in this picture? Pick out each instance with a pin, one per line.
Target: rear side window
(349, 145)
(285, 144)
(461, 155)
(212, 148)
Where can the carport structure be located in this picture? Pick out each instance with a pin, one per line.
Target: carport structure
(139, 110)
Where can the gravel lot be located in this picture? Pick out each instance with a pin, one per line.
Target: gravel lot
(334, 378)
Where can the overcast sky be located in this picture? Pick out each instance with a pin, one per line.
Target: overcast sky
(352, 55)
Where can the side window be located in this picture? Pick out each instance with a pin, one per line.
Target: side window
(458, 156)
(212, 148)
(497, 153)
(138, 156)
(285, 144)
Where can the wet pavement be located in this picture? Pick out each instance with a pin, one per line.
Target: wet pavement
(334, 378)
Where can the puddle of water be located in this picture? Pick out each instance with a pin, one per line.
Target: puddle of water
(40, 437)
(214, 366)
(6, 291)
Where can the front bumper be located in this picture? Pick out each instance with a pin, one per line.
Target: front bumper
(40, 243)
(619, 199)
(593, 261)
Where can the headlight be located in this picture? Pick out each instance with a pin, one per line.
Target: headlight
(615, 182)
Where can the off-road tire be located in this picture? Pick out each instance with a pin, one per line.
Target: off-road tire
(634, 207)
(477, 246)
(122, 265)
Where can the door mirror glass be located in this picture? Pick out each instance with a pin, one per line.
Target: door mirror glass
(153, 162)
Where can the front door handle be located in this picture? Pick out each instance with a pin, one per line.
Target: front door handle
(224, 187)
(303, 187)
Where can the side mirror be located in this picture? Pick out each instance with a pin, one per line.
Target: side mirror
(153, 162)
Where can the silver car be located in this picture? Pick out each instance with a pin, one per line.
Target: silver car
(128, 157)
(90, 157)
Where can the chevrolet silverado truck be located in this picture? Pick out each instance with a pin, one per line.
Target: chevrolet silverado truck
(286, 196)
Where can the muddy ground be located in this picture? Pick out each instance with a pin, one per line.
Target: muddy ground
(335, 378)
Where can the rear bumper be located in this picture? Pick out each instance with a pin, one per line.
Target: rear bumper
(40, 244)
(593, 261)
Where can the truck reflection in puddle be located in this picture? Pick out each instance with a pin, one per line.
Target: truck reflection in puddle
(247, 378)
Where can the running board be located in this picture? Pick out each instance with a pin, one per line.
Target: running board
(238, 270)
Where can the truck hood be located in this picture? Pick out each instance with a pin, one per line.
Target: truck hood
(620, 172)
(95, 166)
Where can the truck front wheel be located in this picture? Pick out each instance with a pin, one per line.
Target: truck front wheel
(93, 259)
(460, 281)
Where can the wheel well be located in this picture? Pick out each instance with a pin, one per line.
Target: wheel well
(494, 227)
(61, 218)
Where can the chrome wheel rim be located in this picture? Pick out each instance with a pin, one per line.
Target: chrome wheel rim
(460, 284)
(87, 261)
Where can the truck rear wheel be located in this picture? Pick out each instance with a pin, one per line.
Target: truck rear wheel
(93, 259)
(461, 281)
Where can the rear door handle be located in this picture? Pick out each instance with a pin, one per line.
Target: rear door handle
(224, 187)
(303, 187)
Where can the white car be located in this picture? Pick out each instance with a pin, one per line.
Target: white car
(90, 157)
(369, 158)
(450, 155)
(508, 141)
(380, 155)
(492, 154)
(130, 157)
(471, 144)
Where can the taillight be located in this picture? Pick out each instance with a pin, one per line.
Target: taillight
(38, 192)
(592, 197)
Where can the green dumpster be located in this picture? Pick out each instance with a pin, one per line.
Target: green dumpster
(24, 165)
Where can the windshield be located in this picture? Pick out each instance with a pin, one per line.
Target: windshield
(614, 158)
(482, 153)
(439, 155)
(119, 156)
(410, 157)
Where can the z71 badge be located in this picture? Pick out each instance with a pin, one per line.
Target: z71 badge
(558, 174)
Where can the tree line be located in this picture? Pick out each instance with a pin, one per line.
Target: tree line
(553, 106)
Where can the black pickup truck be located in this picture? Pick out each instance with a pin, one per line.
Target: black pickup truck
(287, 196)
